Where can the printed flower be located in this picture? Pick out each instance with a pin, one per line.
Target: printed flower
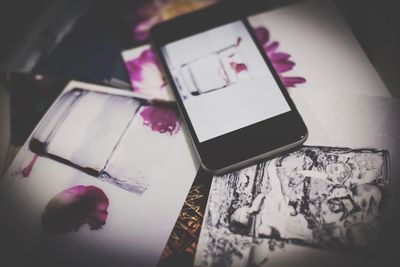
(162, 120)
(74, 207)
(160, 10)
(145, 74)
(279, 60)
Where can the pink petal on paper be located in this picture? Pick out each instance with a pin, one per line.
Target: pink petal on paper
(279, 56)
(283, 66)
(292, 81)
(268, 48)
(238, 67)
(74, 207)
(262, 35)
(135, 65)
(134, 70)
(145, 73)
(150, 56)
(280, 60)
(162, 120)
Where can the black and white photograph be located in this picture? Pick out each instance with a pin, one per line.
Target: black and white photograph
(323, 198)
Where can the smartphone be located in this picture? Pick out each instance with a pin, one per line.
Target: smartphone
(231, 99)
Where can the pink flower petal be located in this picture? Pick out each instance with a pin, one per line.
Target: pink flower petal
(262, 35)
(283, 66)
(292, 81)
(238, 67)
(162, 120)
(278, 56)
(269, 48)
(145, 74)
(74, 207)
(134, 70)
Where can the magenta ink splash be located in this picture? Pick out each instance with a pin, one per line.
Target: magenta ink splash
(162, 120)
(28, 169)
(72, 208)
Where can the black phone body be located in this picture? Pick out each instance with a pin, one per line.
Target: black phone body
(232, 100)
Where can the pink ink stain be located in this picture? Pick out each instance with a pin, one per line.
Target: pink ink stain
(74, 207)
(238, 67)
(162, 120)
(28, 169)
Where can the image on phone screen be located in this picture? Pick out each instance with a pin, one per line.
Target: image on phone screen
(223, 80)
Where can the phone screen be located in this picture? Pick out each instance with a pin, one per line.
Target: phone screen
(223, 80)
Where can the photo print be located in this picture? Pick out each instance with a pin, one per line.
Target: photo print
(99, 164)
(317, 197)
(118, 139)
